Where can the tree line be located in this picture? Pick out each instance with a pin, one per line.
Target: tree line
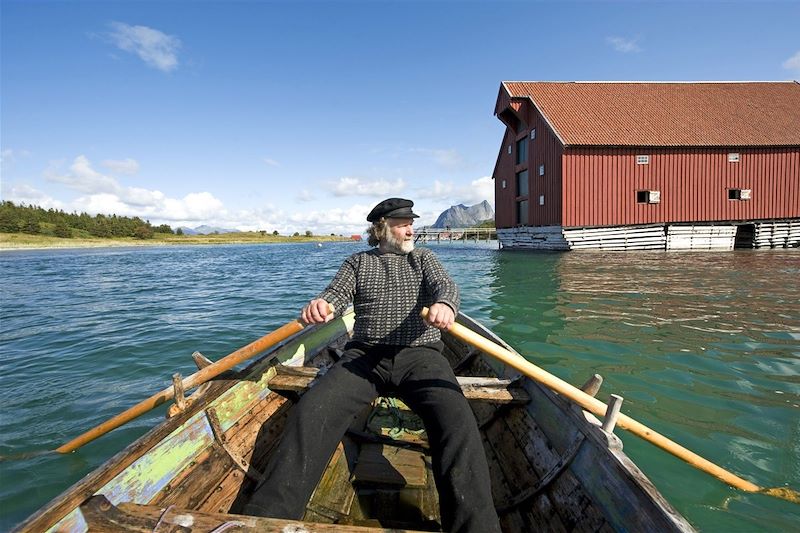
(37, 220)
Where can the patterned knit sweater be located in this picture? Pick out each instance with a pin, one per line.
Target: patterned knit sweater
(388, 291)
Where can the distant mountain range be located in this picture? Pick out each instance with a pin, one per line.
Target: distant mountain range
(461, 216)
(206, 230)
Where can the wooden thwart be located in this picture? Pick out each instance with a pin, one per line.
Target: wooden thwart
(493, 390)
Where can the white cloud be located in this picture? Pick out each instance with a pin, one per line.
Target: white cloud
(348, 186)
(155, 48)
(477, 191)
(25, 194)
(339, 221)
(105, 194)
(271, 162)
(83, 178)
(621, 44)
(793, 64)
(125, 166)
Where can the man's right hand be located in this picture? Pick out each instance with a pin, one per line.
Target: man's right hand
(317, 311)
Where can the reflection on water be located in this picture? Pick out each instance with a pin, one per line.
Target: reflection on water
(704, 347)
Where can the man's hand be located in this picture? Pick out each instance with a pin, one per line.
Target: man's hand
(317, 312)
(440, 316)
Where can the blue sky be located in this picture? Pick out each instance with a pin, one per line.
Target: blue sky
(295, 116)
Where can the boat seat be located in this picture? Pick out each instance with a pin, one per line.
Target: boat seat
(492, 390)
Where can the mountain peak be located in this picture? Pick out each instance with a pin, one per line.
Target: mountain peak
(461, 216)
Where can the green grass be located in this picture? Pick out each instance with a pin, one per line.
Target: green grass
(24, 240)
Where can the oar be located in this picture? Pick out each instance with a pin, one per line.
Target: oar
(198, 378)
(598, 408)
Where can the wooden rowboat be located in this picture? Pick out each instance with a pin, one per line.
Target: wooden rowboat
(553, 468)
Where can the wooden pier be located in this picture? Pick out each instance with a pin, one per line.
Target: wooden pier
(454, 234)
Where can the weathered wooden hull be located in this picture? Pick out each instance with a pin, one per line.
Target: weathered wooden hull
(552, 466)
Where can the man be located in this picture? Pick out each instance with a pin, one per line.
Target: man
(393, 352)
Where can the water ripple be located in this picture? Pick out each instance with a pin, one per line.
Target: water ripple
(705, 347)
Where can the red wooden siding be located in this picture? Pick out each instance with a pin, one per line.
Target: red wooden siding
(505, 210)
(600, 185)
(545, 150)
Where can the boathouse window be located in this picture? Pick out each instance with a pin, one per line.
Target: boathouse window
(733, 157)
(504, 184)
(522, 212)
(533, 133)
(522, 151)
(522, 183)
(648, 197)
(739, 194)
(509, 149)
(642, 159)
(541, 199)
(541, 170)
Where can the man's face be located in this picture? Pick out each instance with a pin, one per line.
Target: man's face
(401, 235)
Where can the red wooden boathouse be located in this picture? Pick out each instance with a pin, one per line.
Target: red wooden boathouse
(643, 165)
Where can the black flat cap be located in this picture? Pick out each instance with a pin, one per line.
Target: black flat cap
(392, 208)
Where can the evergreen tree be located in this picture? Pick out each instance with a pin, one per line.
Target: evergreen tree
(62, 230)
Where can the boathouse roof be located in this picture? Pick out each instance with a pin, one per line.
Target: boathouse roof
(663, 113)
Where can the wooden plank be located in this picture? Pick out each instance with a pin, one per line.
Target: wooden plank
(389, 466)
(194, 484)
(484, 389)
(334, 494)
(103, 517)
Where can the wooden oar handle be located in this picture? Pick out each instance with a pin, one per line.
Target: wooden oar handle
(198, 378)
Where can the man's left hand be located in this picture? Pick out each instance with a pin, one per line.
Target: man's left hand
(440, 316)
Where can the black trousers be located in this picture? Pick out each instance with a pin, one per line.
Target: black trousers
(424, 380)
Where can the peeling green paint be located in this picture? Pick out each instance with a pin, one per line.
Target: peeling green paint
(147, 476)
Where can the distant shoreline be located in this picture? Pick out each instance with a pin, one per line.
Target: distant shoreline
(10, 242)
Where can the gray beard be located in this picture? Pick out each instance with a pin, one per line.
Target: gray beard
(397, 246)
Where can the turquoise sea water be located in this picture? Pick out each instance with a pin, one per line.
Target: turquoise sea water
(704, 347)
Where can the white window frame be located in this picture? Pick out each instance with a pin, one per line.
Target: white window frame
(740, 195)
(734, 157)
(541, 199)
(541, 170)
(653, 197)
(642, 159)
(533, 133)
(504, 184)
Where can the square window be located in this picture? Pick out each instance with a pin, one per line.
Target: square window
(739, 194)
(642, 159)
(648, 197)
(733, 157)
